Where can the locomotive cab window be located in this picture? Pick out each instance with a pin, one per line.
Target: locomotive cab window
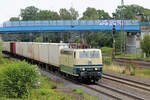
(89, 54)
(67, 52)
(94, 54)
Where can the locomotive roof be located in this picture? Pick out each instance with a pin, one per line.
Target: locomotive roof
(72, 49)
(45, 43)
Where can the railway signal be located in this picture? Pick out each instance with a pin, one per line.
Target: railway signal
(113, 33)
(114, 30)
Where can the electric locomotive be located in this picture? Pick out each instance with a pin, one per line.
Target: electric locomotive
(81, 62)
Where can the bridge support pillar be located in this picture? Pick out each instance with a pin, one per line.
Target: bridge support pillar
(133, 43)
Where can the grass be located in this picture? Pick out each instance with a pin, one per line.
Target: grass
(128, 70)
(107, 60)
(88, 97)
(132, 56)
(85, 96)
(47, 91)
(78, 91)
(142, 73)
(114, 68)
(129, 56)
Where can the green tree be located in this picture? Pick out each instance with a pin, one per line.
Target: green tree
(103, 15)
(47, 15)
(99, 39)
(145, 45)
(90, 14)
(74, 14)
(68, 14)
(29, 13)
(128, 11)
(131, 11)
(38, 39)
(55, 16)
(64, 14)
(93, 14)
(14, 19)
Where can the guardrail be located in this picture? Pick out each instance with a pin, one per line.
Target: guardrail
(145, 24)
(70, 23)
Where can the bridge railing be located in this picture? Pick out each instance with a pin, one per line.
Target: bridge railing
(69, 23)
(145, 23)
(1, 25)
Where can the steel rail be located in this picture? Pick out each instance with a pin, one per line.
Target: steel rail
(102, 92)
(132, 83)
(122, 92)
(140, 63)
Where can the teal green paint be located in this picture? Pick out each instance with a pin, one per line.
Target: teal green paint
(69, 70)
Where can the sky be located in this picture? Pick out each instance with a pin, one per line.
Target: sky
(11, 8)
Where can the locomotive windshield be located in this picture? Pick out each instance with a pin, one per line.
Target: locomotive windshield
(89, 54)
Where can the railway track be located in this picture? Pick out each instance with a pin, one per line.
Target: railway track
(139, 63)
(113, 92)
(131, 83)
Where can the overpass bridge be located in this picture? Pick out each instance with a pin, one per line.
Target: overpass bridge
(70, 25)
(131, 26)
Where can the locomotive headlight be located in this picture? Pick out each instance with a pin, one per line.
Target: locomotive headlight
(95, 68)
(83, 69)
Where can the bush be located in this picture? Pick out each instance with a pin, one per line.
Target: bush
(130, 69)
(145, 45)
(47, 92)
(17, 79)
(1, 57)
(107, 55)
(106, 51)
(107, 60)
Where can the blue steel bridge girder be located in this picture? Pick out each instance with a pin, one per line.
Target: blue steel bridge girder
(68, 29)
(69, 26)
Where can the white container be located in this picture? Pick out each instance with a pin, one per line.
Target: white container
(6, 46)
(36, 55)
(30, 51)
(43, 52)
(19, 48)
(54, 53)
(25, 49)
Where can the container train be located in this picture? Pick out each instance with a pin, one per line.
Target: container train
(84, 64)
